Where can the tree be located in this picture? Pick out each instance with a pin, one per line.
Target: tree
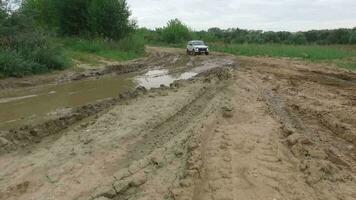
(109, 18)
(271, 37)
(343, 36)
(352, 39)
(283, 36)
(238, 35)
(298, 38)
(175, 32)
(339, 36)
(255, 37)
(312, 36)
(44, 12)
(217, 32)
(206, 36)
(2, 11)
(103, 18)
(72, 16)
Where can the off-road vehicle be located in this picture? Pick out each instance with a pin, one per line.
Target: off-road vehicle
(195, 47)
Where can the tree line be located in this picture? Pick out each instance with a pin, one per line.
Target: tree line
(176, 31)
(322, 37)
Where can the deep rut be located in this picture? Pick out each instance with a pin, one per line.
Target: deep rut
(165, 130)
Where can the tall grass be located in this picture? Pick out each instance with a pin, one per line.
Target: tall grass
(86, 50)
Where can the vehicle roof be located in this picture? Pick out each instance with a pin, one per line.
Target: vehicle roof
(196, 41)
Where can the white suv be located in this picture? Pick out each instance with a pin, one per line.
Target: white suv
(197, 47)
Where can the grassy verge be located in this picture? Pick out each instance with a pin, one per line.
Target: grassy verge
(48, 54)
(342, 56)
(91, 51)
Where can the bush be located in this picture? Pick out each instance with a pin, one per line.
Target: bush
(11, 64)
(175, 32)
(26, 50)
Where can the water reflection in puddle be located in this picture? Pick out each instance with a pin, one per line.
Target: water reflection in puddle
(156, 78)
(7, 100)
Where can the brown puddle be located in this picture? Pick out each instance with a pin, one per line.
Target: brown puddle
(46, 101)
(156, 78)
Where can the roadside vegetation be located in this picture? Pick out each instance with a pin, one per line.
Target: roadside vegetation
(45, 35)
(330, 46)
(24, 49)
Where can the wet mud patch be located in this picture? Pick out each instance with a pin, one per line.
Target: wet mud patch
(40, 104)
(14, 139)
(157, 78)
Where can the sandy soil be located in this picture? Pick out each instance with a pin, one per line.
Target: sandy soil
(251, 129)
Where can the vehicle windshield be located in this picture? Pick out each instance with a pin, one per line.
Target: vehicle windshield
(198, 43)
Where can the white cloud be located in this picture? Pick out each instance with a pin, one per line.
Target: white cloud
(291, 15)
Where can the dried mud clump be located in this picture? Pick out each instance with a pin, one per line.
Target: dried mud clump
(124, 68)
(227, 111)
(221, 73)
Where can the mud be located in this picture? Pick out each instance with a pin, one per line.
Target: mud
(245, 128)
(33, 105)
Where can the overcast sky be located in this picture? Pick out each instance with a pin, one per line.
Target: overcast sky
(276, 15)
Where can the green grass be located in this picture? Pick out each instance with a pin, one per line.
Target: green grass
(343, 56)
(91, 51)
(348, 63)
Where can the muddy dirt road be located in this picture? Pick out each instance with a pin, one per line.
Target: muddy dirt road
(232, 128)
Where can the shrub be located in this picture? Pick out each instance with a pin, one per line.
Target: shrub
(26, 50)
(11, 64)
(175, 32)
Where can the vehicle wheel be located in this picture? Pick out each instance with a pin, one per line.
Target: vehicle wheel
(207, 53)
(188, 52)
